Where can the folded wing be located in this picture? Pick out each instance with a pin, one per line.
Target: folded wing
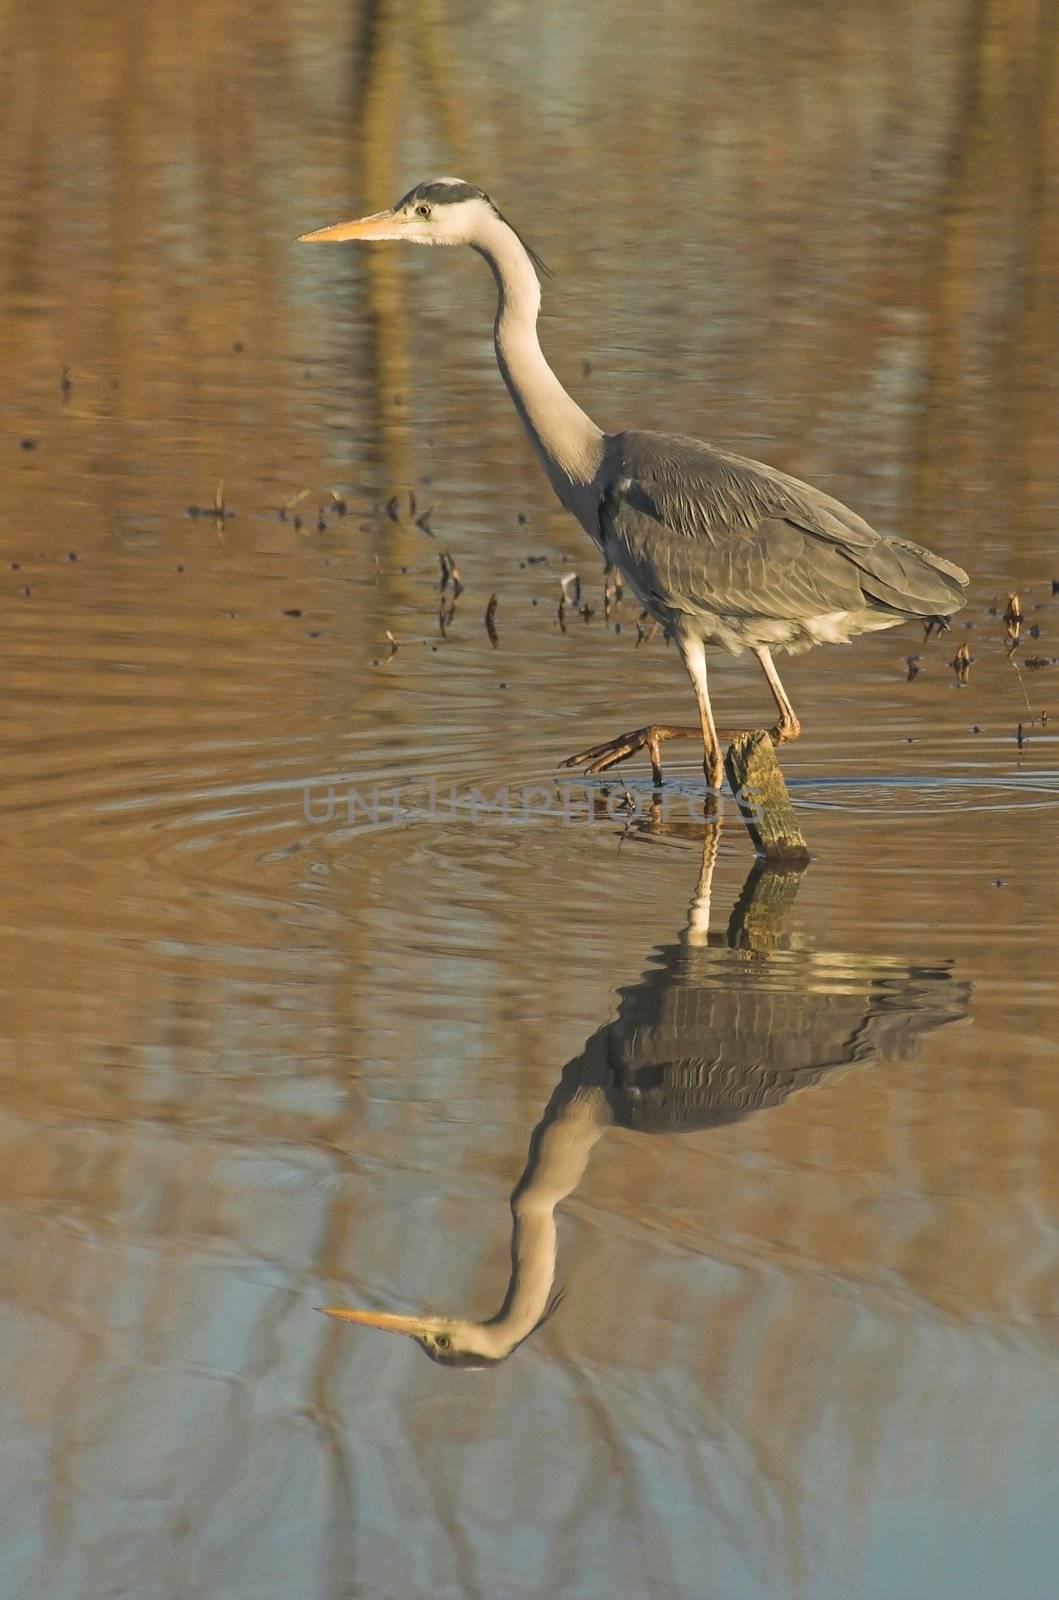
(698, 529)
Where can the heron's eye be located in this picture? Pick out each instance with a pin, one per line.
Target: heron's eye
(442, 1341)
(422, 211)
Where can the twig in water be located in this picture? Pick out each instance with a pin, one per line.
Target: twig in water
(290, 502)
(961, 664)
(220, 510)
(450, 573)
(446, 612)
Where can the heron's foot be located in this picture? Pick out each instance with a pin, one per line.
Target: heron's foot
(601, 756)
(651, 738)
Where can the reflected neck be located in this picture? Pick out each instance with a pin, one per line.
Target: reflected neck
(558, 1156)
(566, 439)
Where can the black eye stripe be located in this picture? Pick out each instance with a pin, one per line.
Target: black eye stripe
(440, 194)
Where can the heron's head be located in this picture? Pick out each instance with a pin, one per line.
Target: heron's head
(447, 1340)
(437, 211)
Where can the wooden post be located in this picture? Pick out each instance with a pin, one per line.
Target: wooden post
(765, 806)
(760, 916)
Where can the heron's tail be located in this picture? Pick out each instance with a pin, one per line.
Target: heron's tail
(901, 576)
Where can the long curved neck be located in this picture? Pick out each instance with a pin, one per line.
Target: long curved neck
(559, 1153)
(566, 439)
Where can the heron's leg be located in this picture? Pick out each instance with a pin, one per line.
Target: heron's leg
(693, 655)
(789, 727)
(601, 756)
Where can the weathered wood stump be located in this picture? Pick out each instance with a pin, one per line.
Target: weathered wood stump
(760, 916)
(764, 804)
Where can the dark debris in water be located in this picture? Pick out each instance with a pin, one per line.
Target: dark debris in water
(450, 574)
(571, 588)
(289, 505)
(220, 512)
(961, 664)
(646, 628)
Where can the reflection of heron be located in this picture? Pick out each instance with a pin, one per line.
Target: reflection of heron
(720, 549)
(720, 1026)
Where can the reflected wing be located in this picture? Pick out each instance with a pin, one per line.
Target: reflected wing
(713, 1035)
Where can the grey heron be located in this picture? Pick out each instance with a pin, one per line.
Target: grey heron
(719, 549)
(722, 1025)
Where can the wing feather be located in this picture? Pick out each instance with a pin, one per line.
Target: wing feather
(696, 528)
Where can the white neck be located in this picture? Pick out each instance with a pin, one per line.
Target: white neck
(567, 441)
(558, 1156)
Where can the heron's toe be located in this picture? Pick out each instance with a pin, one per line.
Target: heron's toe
(601, 756)
(609, 758)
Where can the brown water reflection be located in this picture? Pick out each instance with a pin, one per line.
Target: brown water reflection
(721, 1026)
(253, 1064)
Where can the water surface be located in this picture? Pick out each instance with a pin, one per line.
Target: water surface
(257, 1060)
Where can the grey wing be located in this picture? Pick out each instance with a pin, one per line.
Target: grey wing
(698, 529)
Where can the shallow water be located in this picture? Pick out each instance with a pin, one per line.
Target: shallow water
(263, 1054)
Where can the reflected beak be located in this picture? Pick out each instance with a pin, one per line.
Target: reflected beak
(380, 225)
(416, 1326)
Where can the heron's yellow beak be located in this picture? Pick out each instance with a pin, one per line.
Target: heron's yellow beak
(381, 1319)
(380, 225)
